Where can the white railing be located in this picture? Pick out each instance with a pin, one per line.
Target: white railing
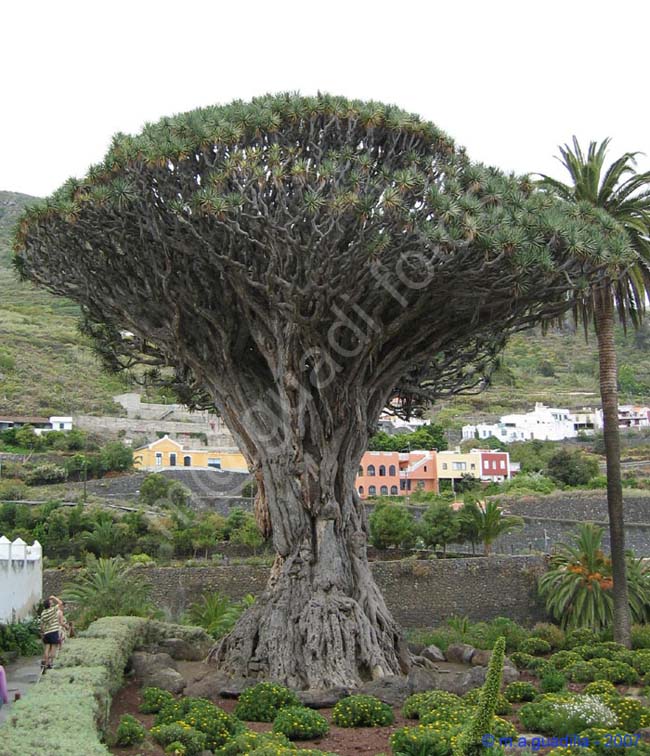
(21, 578)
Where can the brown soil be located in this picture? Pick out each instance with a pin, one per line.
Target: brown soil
(340, 740)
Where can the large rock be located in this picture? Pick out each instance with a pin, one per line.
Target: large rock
(208, 685)
(421, 680)
(167, 679)
(460, 653)
(432, 653)
(144, 663)
(322, 699)
(181, 649)
(392, 689)
(481, 657)
(474, 678)
(235, 687)
(510, 674)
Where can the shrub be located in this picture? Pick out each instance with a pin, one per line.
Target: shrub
(552, 634)
(419, 704)
(520, 691)
(153, 700)
(189, 738)
(204, 716)
(362, 711)
(425, 739)
(580, 636)
(630, 712)
(300, 723)
(617, 672)
(262, 702)
(640, 636)
(582, 672)
(552, 681)
(580, 713)
(523, 661)
(217, 613)
(535, 646)
(572, 751)
(144, 559)
(23, 637)
(129, 731)
(602, 741)
(247, 742)
(564, 659)
(641, 661)
(601, 688)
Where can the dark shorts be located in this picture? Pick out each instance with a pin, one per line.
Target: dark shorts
(51, 639)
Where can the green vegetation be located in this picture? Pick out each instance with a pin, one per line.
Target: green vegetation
(262, 702)
(129, 731)
(300, 723)
(216, 613)
(577, 588)
(362, 711)
(392, 525)
(428, 437)
(22, 637)
(108, 587)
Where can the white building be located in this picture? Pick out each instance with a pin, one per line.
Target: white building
(543, 424)
(21, 578)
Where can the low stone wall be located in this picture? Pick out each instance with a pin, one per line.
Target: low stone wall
(418, 593)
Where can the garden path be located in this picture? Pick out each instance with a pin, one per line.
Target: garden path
(21, 675)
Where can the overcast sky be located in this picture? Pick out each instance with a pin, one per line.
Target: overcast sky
(509, 80)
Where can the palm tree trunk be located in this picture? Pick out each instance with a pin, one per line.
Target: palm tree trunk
(604, 315)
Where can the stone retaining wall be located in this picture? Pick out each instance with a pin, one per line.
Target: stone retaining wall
(419, 593)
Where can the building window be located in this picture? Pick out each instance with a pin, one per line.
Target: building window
(394, 491)
(187, 461)
(391, 470)
(158, 459)
(372, 491)
(382, 471)
(494, 464)
(371, 471)
(486, 464)
(420, 485)
(384, 490)
(473, 466)
(61, 426)
(172, 459)
(360, 470)
(459, 465)
(425, 468)
(502, 464)
(444, 465)
(214, 462)
(360, 490)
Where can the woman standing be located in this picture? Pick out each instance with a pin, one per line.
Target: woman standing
(49, 622)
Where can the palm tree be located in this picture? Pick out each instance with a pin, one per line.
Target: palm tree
(489, 522)
(624, 195)
(578, 589)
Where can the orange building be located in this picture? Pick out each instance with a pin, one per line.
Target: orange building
(396, 473)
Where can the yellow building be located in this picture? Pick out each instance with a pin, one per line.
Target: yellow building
(454, 464)
(165, 454)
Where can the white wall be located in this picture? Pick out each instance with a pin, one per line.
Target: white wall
(21, 578)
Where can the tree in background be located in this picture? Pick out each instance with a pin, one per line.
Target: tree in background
(578, 586)
(298, 263)
(489, 522)
(622, 195)
(572, 468)
(392, 525)
(427, 437)
(439, 525)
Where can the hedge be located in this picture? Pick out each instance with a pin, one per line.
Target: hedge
(66, 712)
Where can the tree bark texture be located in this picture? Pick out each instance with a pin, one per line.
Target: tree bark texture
(604, 315)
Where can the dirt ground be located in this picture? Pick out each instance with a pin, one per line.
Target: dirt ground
(345, 741)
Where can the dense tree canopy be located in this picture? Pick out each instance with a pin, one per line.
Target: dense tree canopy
(297, 262)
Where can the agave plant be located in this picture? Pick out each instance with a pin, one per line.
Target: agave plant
(108, 588)
(578, 587)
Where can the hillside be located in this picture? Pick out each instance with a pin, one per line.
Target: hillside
(46, 366)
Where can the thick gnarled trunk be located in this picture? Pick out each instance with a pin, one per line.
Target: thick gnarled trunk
(321, 622)
(604, 310)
